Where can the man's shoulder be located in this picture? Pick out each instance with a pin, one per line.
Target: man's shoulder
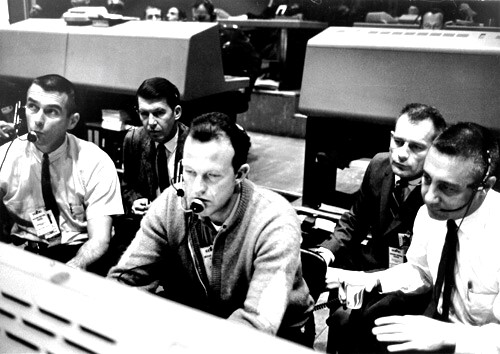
(85, 150)
(136, 134)
(380, 159)
(266, 199)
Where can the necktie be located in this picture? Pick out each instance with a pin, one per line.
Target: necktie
(397, 196)
(47, 193)
(446, 270)
(162, 167)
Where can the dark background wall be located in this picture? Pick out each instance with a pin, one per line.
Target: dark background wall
(335, 12)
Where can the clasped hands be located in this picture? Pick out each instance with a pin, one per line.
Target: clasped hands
(140, 206)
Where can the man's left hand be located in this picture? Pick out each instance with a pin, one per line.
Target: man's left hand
(414, 333)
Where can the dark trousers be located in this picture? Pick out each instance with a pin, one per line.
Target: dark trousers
(350, 331)
(61, 253)
(303, 335)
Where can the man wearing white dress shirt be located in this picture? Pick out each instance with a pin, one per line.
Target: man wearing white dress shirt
(457, 189)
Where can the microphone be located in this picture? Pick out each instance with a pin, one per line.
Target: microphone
(32, 137)
(457, 209)
(197, 206)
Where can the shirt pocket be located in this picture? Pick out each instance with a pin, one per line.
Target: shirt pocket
(481, 306)
(77, 212)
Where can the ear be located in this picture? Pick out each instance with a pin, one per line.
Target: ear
(73, 120)
(242, 172)
(177, 112)
(490, 182)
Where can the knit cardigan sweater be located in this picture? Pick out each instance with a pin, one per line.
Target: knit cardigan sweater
(256, 268)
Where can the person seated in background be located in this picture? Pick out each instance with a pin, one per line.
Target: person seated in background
(375, 233)
(218, 243)
(433, 19)
(116, 6)
(152, 13)
(413, 10)
(175, 14)
(203, 11)
(58, 192)
(154, 147)
(466, 16)
(455, 244)
(151, 156)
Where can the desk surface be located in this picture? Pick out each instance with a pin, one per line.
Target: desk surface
(473, 28)
(49, 307)
(276, 23)
(387, 25)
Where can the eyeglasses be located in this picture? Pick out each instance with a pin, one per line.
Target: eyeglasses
(159, 113)
(50, 112)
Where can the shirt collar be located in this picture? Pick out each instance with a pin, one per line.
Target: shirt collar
(171, 145)
(411, 183)
(54, 155)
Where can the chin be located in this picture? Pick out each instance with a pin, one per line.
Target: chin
(437, 215)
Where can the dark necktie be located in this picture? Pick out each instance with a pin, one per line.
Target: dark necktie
(446, 270)
(162, 167)
(47, 193)
(397, 197)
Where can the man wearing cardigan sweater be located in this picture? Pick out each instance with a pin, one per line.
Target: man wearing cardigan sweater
(239, 257)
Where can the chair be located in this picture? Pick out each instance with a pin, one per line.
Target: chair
(314, 273)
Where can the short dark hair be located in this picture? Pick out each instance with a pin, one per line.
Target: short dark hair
(57, 83)
(216, 125)
(418, 112)
(149, 7)
(208, 5)
(468, 140)
(158, 88)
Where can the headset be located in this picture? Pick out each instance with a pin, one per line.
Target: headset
(197, 205)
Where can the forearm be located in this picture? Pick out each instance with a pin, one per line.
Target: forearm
(99, 231)
(90, 252)
(138, 265)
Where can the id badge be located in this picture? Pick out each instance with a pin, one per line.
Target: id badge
(396, 256)
(44, 223)
(206, 253)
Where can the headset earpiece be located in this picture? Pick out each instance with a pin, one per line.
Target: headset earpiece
(487, 161)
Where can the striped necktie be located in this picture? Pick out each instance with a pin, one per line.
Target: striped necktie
(397, 197)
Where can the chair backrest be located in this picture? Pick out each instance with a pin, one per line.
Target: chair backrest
(314, 271)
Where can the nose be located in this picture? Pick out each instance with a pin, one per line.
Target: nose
(199, 186)
(38, 118)
(429, 194)
(151, 120)
(402, 152)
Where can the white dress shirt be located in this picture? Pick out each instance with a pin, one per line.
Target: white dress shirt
(475, 302)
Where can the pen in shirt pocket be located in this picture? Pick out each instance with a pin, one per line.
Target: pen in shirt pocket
(469, 289)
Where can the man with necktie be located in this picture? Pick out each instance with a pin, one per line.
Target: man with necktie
(375, 233)
(151, 153)
(58, 193)
(454, 251)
